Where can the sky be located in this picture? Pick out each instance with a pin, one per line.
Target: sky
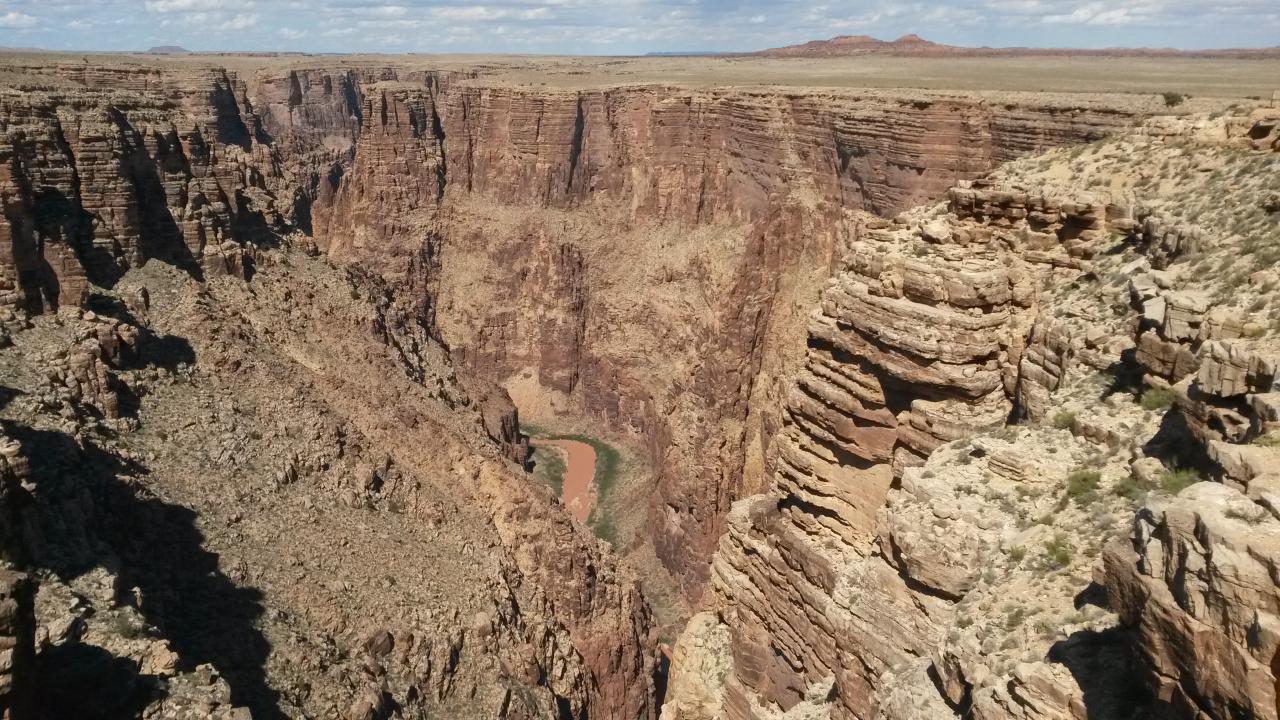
(623, 27)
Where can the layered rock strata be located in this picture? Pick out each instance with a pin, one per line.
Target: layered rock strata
(769, 177)
(402, 169)
(916, 557)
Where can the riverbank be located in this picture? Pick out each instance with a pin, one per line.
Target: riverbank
(620, 482)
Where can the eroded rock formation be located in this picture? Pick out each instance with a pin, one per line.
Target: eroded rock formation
(246, 446)
(765, 180)
(918, 557)
(442, 184)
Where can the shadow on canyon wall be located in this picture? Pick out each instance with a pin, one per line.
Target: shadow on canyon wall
(1107, 667)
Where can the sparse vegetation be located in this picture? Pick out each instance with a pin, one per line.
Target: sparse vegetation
(1082, 485)
(548, 466)
(1064, 420)
(1014, 617)
(1175, 481)
(1158, 398)
(1173, 99)
(1057, 552)
(1131, 487)
(1269, 440)
(602, 525)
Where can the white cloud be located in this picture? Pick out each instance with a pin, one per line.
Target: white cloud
(627, 26)
(13, 19)
(242, 21)
(1097, 13)
(165, 6)
(475, 12)
(1015, 6)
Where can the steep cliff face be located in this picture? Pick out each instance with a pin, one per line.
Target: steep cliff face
(668, 243)
(665, 242)
(217, 512)
(961, 444)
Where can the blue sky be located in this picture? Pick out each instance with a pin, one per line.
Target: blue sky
(623, 26)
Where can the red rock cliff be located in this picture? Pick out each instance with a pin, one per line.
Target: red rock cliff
(662, 244)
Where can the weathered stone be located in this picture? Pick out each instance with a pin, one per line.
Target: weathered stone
(1196, 582)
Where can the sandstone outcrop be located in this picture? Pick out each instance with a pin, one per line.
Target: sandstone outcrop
(917, 557)
(16, 643)
(1196, 582)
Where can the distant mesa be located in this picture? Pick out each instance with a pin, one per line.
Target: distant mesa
(914, 45)
(168, 50)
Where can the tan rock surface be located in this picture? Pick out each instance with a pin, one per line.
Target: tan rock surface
(887, 537)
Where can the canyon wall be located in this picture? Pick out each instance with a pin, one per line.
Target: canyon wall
(668, 243)
(662, 244)
(213, 507)
(642, 258)
(950, 526)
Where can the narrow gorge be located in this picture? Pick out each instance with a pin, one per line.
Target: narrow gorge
(890, 372)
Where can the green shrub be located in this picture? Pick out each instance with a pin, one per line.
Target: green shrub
(1158, 398)
(1057, 552)
(602, 525)
(1064, 420)
(1173, 99)
(1016, 554)
(1014, 618)
(1175, 481)
(548, 464)
(1132, 488)
(1082, 484)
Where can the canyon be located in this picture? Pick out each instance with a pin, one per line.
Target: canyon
(272, 327)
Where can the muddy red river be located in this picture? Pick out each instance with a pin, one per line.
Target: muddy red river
(579, 494)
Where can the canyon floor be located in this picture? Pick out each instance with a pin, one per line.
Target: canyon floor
(372, 387)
